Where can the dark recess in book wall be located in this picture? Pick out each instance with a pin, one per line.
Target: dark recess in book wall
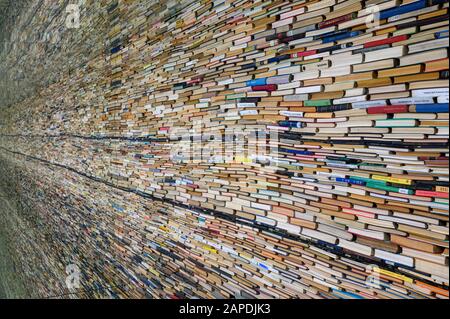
(355, 185)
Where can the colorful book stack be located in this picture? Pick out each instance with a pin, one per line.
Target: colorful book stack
(351, 201)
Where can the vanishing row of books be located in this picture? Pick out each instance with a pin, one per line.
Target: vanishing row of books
(157, 250)
(250, 149)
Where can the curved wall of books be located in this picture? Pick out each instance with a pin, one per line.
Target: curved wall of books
(225, 149)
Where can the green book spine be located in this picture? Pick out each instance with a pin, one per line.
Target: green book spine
(389, 188)
(367, 180)
(318, 103)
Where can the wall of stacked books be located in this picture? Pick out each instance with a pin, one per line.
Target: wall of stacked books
(226, 149)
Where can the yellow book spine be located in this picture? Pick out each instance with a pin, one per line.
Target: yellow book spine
(402, 181)
(241, 159)
(154, 272)
(164, 228)
(208, 248)
(393, 275)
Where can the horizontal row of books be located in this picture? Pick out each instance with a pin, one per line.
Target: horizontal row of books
(249, 149)
(129, 246)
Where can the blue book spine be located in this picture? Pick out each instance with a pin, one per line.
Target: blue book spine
(279, 58)
(350, 181)
(248, 66)
(257, 82)
(117, 207)
(292, 124)
(432, 108)
(328, 34)
(350, 294)
(338, 37)
(434, 2)
(334, 247)
(403, 9)
(441, 35)
(296, 152)
(116, 49)
(263, 266)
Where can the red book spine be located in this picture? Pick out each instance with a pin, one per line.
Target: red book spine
(335, 21)
(388, 109)
(214, 231)
(268, 87)
(196, 80)
(432, 194)
(386, 41)
(304, 53)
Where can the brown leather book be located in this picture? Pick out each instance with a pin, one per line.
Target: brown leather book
(422, 246)
(386, 31)
(374, 82)
(378, 244)
(429, 84)
(433, 14)
(336, 202)
(264, 21)
(320, 81)
(413, 69)
(303, 109)
(319, 115)
(327, 95)
(356, 77)
(296, 50)
(417, 77)
(420, 232)
(432, 123)
(437, 65)
(302, 223)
